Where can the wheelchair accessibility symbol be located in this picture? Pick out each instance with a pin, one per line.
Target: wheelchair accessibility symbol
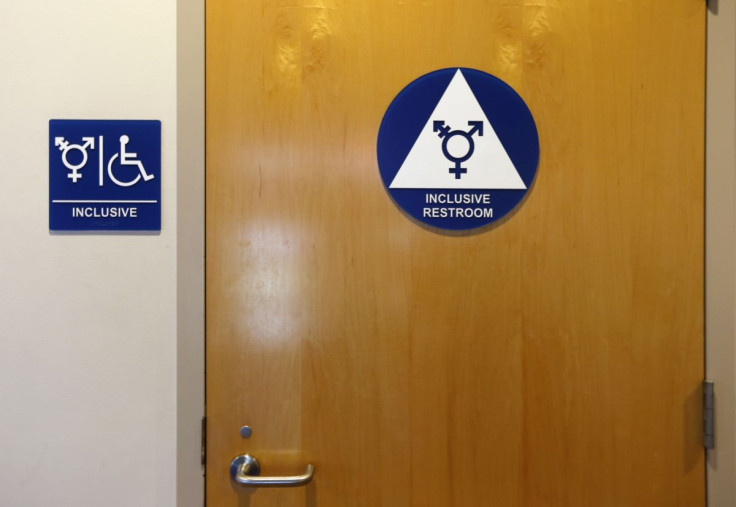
(124, 168)
(127, 159)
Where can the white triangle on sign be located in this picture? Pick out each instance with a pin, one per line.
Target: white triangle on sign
(428, 166)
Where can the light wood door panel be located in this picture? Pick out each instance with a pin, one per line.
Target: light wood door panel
(553, 360)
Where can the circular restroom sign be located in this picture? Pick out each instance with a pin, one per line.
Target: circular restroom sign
(458, 149)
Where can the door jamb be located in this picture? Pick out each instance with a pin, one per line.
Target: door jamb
(720, 247)
(190, 215)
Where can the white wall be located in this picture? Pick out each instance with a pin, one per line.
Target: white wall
(88, 322)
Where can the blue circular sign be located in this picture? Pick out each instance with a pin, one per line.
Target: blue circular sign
(458, 149)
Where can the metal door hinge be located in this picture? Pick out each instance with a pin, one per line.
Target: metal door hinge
(204, 441)
(708, 416)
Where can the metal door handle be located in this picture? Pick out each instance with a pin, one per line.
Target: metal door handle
(246, 470)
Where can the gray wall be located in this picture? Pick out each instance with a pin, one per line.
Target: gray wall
(720, 246)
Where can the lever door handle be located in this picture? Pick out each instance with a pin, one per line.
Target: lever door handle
(246, 470)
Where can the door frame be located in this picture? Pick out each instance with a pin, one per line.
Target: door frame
(720, 278)
(720, 247)
(190, 213)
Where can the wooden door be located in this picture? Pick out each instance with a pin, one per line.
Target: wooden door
(553, 360)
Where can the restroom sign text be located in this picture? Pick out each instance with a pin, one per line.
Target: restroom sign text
(105, 175)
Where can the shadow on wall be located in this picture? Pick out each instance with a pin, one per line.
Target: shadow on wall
(693, 425)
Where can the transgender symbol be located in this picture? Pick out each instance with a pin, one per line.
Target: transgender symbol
(65, 147)
(458, 157)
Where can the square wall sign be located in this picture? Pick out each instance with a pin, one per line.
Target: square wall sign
(105, 175)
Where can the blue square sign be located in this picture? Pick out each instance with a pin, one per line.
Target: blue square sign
(105, 175)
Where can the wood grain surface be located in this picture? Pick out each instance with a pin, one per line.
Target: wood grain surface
(553, 360)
